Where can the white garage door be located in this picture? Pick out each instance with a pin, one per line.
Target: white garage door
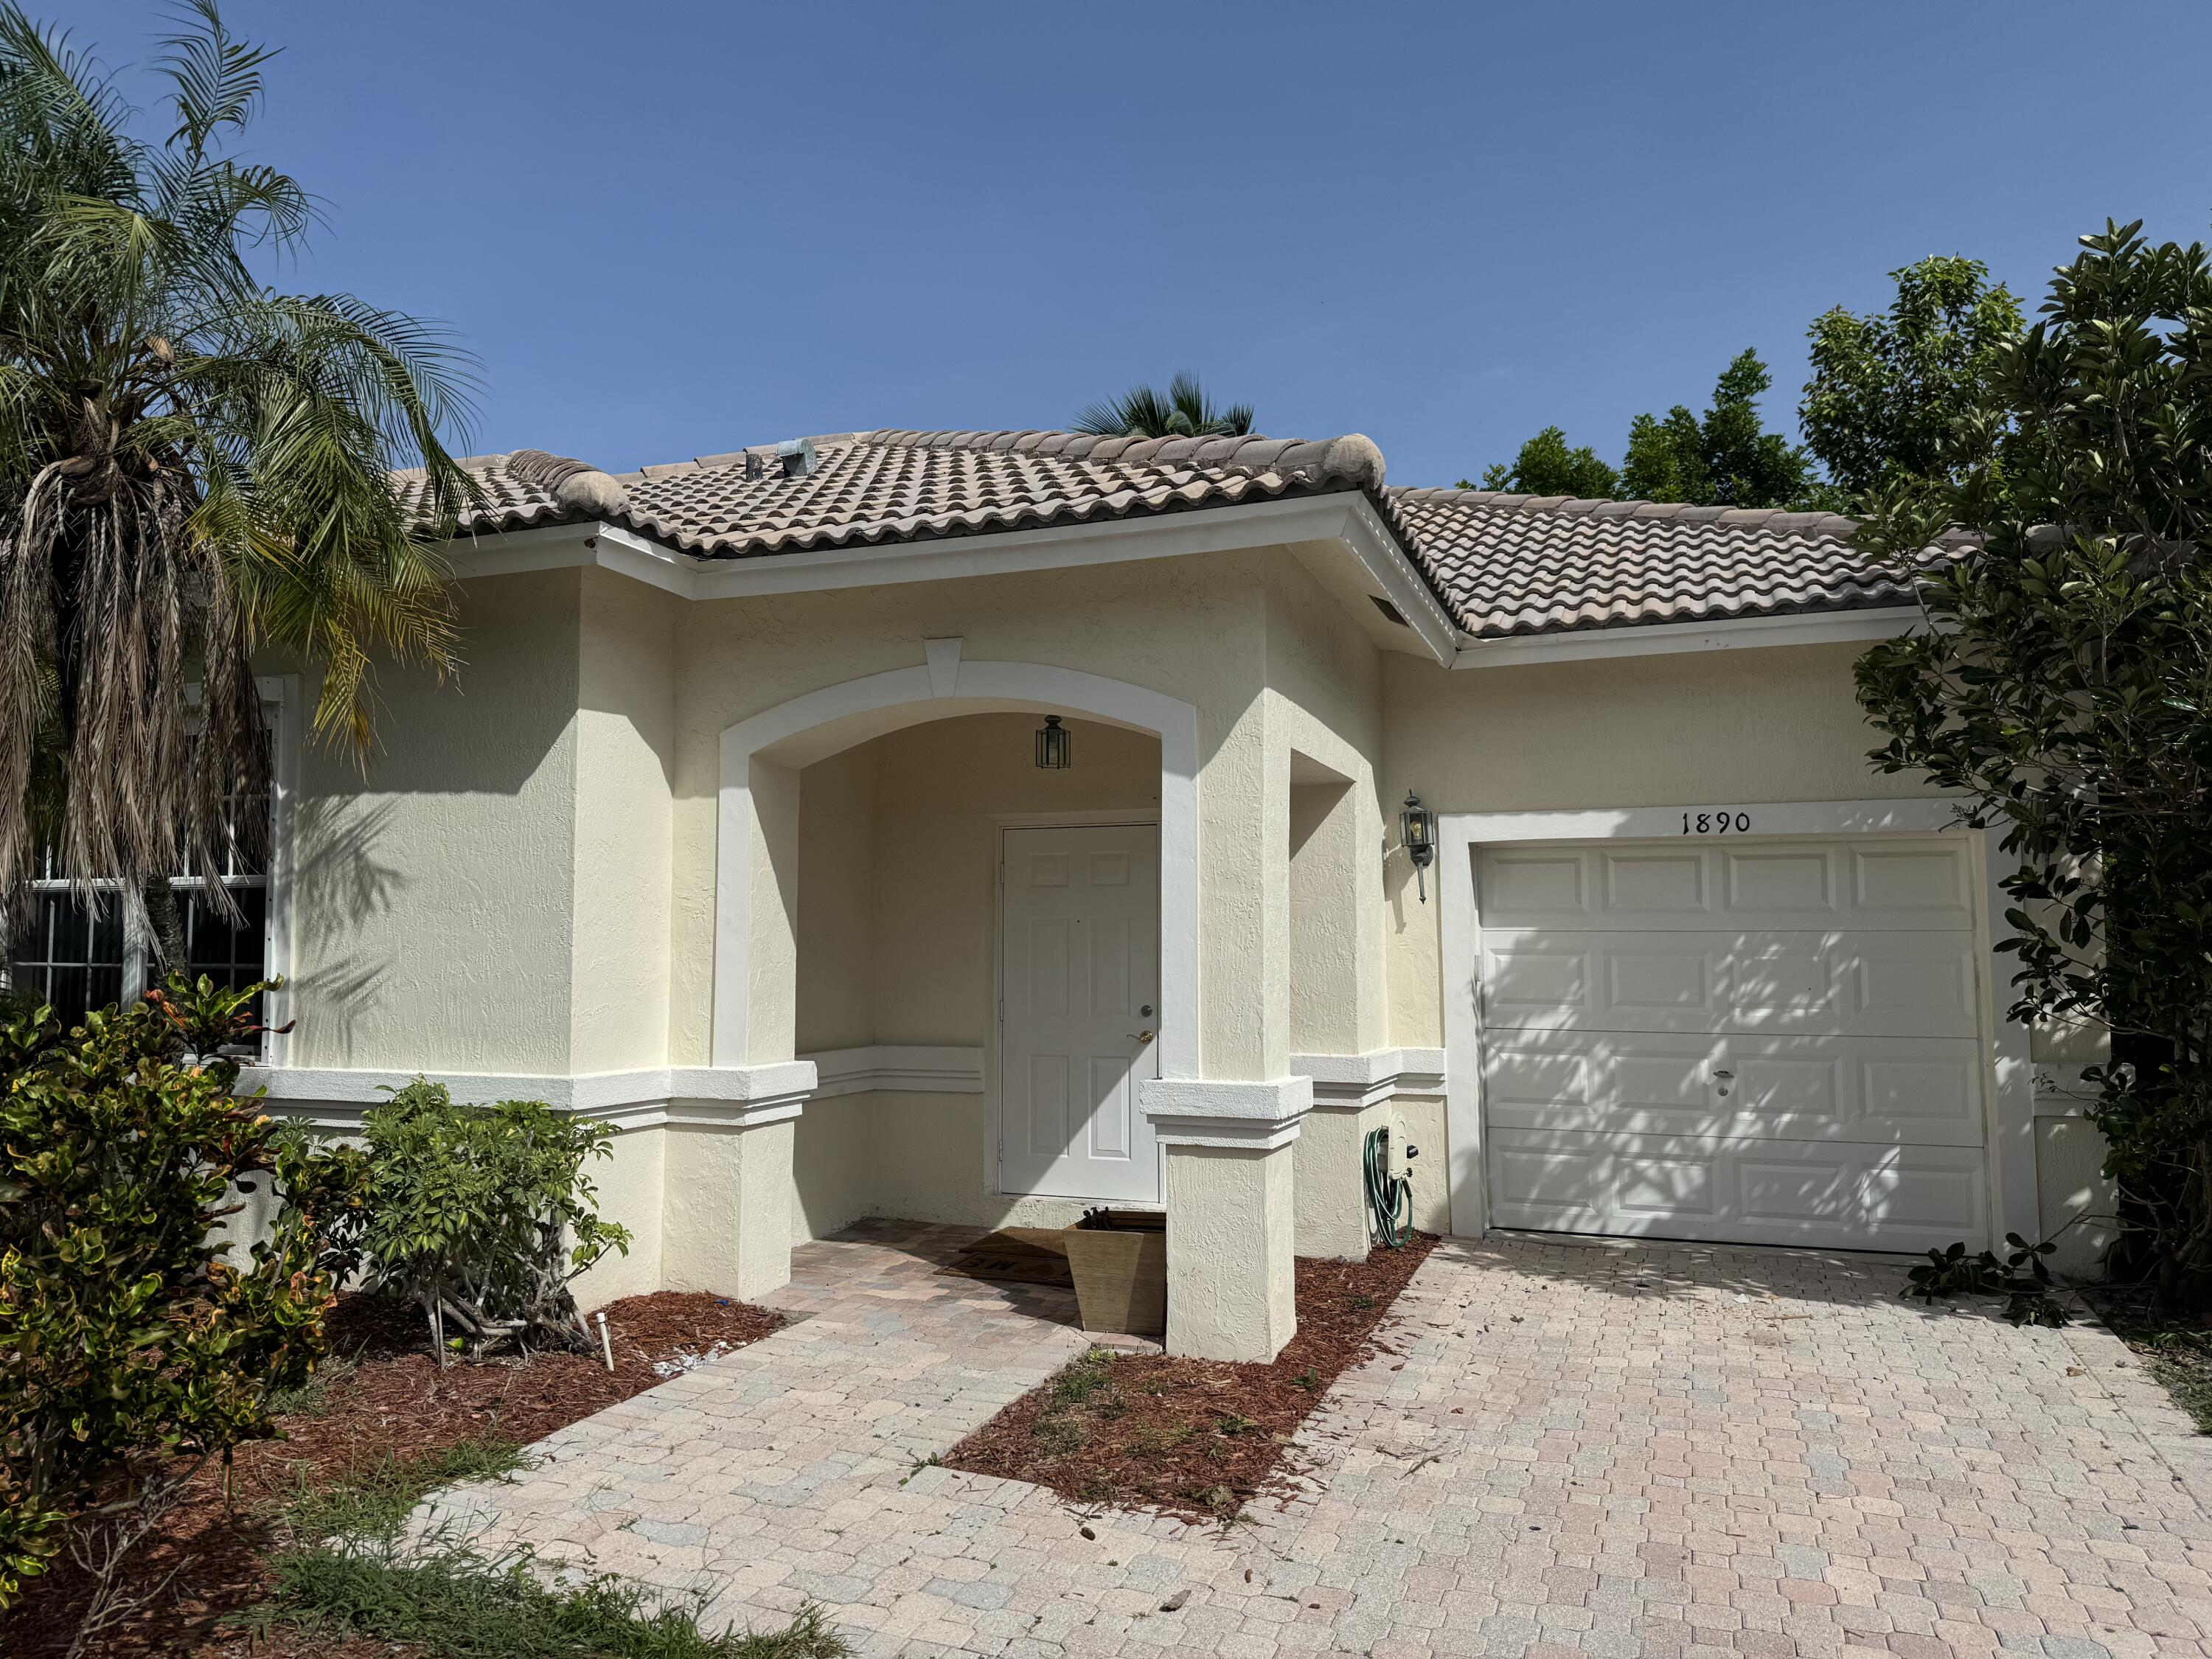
(1758, 1042)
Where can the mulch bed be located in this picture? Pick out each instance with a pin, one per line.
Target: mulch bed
(1196, 1438)
(395, 1403)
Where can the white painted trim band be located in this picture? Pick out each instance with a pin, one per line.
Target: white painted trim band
(896, 1070)
(723, 1097)
(1358, 1081)
(1209, 1112)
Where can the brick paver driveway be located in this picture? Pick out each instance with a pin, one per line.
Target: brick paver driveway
(1568, 1448)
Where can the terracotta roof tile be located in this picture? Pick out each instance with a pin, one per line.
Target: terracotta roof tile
(1525, 564)
(1501, 564)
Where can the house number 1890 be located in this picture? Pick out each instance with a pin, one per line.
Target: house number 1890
(1716, 823)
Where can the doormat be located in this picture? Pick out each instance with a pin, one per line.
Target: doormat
(1015, 1256)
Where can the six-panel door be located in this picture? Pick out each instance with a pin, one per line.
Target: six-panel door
(1080, 955)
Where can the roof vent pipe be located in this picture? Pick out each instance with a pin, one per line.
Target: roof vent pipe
(797, 455)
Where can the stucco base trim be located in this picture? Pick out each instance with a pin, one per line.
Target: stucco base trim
(1205, 1112)
(897, 1069)
(1353, 1082)
(705, 1097)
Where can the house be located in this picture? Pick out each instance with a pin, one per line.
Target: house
(734, 832)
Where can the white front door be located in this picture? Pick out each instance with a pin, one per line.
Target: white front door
(1768, 1041)
(1081, 965)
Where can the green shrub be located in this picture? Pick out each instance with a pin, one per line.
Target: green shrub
(483, 1216)
(131, 1351)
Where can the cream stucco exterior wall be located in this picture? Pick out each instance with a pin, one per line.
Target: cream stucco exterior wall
(525, 881)
(434, 894)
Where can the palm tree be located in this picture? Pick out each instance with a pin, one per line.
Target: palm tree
(1184, 411)
(193, 466)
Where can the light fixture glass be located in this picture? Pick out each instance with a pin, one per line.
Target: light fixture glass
(1056, 745)
(1417, 828)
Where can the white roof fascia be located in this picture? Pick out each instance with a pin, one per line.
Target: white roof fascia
(1343, 516)
(1660, 638)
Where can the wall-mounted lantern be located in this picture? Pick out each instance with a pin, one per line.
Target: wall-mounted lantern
(1417, 827)
(1056, 745)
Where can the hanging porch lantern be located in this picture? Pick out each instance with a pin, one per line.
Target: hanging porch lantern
(1417, 827)
(1056, 745)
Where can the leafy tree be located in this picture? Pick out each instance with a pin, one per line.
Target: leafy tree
(2064, 689)
(1886, 388)
(483, 1216)
(131, 1351)
(192, 464)
(1723, 457)
(1545, 466)
(1183, 411)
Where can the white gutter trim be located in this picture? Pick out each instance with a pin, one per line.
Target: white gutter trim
(1660, 638)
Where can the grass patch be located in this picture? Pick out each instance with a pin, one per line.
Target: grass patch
(2179, 1360)
(453, 1603)
(373, 1502)
(1084, 1377)
(313, 1397)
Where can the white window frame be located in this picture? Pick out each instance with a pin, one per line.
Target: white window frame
(280, 702)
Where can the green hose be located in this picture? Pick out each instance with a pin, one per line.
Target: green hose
(1389, 1199)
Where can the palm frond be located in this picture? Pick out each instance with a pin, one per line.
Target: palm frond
(1183, 411)
(193, 466)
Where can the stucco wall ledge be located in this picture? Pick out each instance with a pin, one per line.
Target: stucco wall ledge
(1207, 1112)
(1355, 1082)
(728, 1097)
(897, 1068)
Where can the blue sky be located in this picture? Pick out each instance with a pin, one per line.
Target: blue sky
(673, 229)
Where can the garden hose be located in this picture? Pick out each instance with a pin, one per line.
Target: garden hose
(1390, 1198)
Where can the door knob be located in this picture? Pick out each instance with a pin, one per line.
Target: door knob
(1140, 1037)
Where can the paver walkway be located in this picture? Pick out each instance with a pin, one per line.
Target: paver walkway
(1569, 1449)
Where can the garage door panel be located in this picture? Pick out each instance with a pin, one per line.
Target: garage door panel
(1645, 976)
(1540, 1086)
(1655, 1186)
(1839, 1194)
(1926, 1097)
(1673, 882)
(1800, 880)
(1550, 1186)
(1920, 884)
(1870, 983)
(1877, 1090)
(1763, 1041)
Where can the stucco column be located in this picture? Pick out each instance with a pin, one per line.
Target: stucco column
(726, 1218)
(1231, 1225)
